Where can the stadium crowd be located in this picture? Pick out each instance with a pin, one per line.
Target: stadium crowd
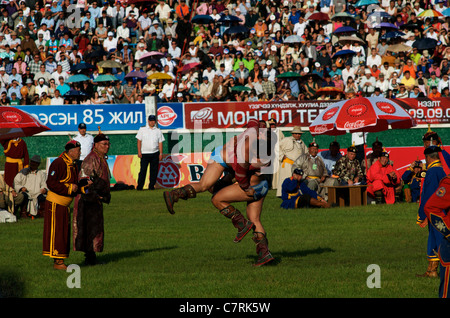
(221, 50)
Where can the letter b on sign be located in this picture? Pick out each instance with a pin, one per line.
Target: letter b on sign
(374, 279)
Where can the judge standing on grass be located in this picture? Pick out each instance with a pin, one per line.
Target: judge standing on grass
(150, 148)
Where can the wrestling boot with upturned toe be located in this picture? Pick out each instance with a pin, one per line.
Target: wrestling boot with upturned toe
(262, 249)
(239, 221)
(186, 192)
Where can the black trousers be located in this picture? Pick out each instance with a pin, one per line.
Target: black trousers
(152, 160)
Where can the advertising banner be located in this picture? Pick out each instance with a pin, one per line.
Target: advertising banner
(297, 113)
(427, 110)
(170, 116)
(110, 117)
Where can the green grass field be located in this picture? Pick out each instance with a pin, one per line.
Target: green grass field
(149, 253)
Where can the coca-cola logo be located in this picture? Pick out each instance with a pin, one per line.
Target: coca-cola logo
(166, 116)
(202, 114)
(354, 124)
(330, 113)
(320, 129)
(12, 116)
(357, 110)
(385, 107)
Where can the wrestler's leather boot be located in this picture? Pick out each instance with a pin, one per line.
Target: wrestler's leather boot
(239, 221)
(186, 192)
(262, 249)
(431, 270)
(58, 263)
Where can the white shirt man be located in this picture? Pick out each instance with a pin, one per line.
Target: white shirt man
(110, 43)
(150, 147)
(86, 140)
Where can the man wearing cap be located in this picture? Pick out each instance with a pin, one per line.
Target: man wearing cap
(347, 168)
(62, 185)
(88, 225)
(434, 174)
(290, 148)
(296, 194)
(150, 148)
(314, 169)
(383, 180)
(86, 141)
(31, 182)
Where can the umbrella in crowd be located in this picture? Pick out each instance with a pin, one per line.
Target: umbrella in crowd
(351, 39)
(429, 13)
(77, 78)
(319, 16)
(293, 39)
(229, 19)
(202, 19)
(424, 44)
(289, 75)
(76, 68)
(392, 35)
(186, 68)
(15, 123)
(75, 94)
(105, 78)
(362, 3)
(379, 15)
(240, 88)
(400, 47)
(137, 74)
(236, 29)
(344, 52)
(362, 114)
(329, 90)
(385, 25)
(344, 29)
(342, 15)
(446, 12)
(109, 64)
(151, 55)
(159, 75)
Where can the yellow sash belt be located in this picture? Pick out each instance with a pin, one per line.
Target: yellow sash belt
(59, 199)
(287, 160)
(14, 160)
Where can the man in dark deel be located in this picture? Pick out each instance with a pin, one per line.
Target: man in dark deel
(296, 194)
(88, 229)
(62, 183)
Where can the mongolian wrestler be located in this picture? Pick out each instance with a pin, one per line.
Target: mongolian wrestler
(436, 210)
(296, 194)
(62, 184)
(88, 225)
(239, 159)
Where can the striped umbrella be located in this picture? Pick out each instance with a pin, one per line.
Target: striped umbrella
(430, 13)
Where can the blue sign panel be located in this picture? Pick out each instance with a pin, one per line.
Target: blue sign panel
(108, 117)
(170, 115)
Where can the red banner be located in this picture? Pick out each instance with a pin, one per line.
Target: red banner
(427, 110)
(297, 113)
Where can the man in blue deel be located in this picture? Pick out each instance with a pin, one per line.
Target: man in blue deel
(296, 194)
(434, 173)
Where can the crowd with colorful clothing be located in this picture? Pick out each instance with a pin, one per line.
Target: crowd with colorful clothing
(221, 50)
